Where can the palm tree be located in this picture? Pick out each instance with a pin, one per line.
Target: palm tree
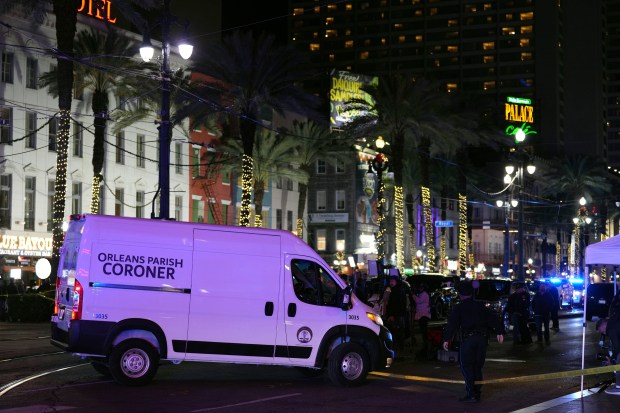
(251, 78)
(66, 27)
(104, 62)
(314, 141)
(273, 157)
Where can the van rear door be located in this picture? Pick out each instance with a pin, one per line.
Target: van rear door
(234, 302)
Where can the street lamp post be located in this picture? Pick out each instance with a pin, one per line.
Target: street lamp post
(581, 220)
(146, 52)
(505, 204)
(509, 179)
(379, 165)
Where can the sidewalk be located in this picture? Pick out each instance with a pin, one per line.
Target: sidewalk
(592, 401)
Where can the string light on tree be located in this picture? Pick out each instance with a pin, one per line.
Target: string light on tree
(428, 222)
(462, 232)
(94, 200)
(60, 191)
(399, 205)
(246, 187)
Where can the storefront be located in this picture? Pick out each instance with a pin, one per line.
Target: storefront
(19, 253)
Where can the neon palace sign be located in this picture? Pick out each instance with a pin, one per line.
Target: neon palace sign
(99, 9)
(519, 110)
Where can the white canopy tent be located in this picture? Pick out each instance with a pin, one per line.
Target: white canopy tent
(602, 253)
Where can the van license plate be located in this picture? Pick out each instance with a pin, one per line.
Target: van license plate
(61, 313)
(602, 302)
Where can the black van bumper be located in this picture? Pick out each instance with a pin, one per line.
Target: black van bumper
(87, 337)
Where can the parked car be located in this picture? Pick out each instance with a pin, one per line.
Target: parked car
(578, 295)
(599, 296)
(441, 289)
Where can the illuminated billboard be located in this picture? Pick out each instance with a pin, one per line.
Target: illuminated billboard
(345, 87)
(521, 112)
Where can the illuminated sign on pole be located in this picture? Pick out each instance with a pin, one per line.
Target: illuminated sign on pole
(345, 87)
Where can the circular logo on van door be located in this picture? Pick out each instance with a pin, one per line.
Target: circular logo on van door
(304, 335)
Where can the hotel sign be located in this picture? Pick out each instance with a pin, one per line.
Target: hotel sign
(328, 218)
(99, 9)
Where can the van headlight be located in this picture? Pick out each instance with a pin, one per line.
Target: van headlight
(376, 318)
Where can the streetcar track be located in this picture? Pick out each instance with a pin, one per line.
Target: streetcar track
(9, 386)
(25, 338)
(32, 356)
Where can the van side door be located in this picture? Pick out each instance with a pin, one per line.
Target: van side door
(234, 301)
(311, 308)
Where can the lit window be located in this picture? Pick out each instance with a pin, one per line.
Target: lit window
(487, 6)
(453, 23)
(508, 31)
(432, 11)
(509, 17)
(321, 239)
(401, 39)
(437, 63)
(470, 9)
(298, 11)
(332, 57)
(488, 59)
(451, 87)
(526, 56)
(331, 33)
(398, 26)
(418, 38)
(348, 44)
(314, 47)
(489, 85)
(329, 20)
(348, 7)
(453, 49)
(317, 9)
(384, 41)
(527, 30)
(488, 46)
(418, 13)
(527, 16)
(332, 7)
(364, 55)
(524, 42)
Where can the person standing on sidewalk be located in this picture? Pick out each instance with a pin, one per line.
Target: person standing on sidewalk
(542, 305)
(475, 322)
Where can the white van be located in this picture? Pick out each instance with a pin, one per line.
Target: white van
(132, 292)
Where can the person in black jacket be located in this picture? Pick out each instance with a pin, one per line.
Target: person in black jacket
(475, 323)
(542, 305)
(518, 308)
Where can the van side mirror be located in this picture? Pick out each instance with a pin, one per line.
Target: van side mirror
(345, 302)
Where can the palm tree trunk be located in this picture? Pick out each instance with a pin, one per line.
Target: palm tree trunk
(100, 109)
(259, 195)
(247, 129)
(398, 149)
(411, 225)
(301, 209)
(426, 202)
(66, 21)
(442, 241)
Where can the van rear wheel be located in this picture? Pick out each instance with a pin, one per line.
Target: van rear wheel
(348, 365)
(133, 362)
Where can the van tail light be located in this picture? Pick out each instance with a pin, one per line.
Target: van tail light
(76, 310)
(56, 298)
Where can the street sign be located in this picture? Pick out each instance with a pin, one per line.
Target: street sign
(4, 122)
(444, 223)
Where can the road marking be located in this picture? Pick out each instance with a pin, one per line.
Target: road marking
(7, 387)
(556, 402)
(246, 403)
(507, 360)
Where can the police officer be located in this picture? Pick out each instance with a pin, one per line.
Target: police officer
(475, 323)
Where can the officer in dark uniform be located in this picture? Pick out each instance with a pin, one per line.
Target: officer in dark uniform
(475, 323)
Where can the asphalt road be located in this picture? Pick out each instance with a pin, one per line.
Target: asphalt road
(31, 380)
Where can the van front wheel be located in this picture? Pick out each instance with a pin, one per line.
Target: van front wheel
(133, 362)
(348, 365)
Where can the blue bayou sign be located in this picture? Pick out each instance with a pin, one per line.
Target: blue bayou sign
(444, 224)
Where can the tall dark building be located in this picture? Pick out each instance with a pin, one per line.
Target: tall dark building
(554, 53)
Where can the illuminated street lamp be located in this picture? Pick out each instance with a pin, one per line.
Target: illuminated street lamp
(379, 165)
(147, 52)
(340, 260)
